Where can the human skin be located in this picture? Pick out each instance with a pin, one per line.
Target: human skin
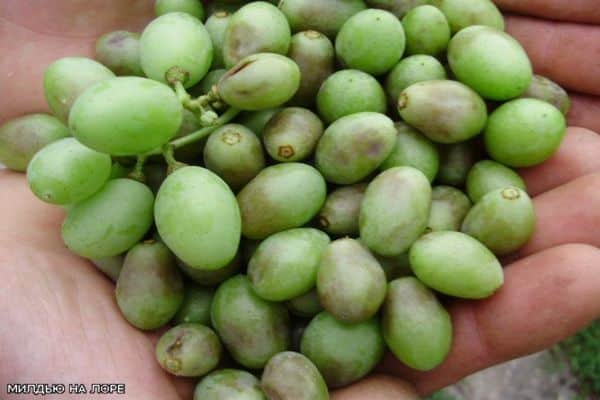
(58, 318)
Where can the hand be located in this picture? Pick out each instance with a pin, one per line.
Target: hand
(60, 321)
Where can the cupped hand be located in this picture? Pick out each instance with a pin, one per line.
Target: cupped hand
(60, 323)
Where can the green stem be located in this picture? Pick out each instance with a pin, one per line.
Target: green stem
(138, 171)
(193, 137)
(204, 132)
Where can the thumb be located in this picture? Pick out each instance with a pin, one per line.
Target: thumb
(377, 387)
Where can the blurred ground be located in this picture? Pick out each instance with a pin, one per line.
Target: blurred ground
(542, 376)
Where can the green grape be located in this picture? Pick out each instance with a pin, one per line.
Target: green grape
(427, 31)
(398, 7)
(315, 55)
(445, 111)
(413, 150)
(339, 215)
(416, 326)
(487, 176)
(259, 330)
(354, 146)
(412, 70)
(66, 172)
(228, 6)
(126, 116)
(189, 350)
(235, 154)
(211, 79)
(196, 305)
(372, 41)
(188, 206)
(216, 25)
(260, 81)
(456, 161)
(22, 137)
(524, 132)
(306, 305)
(257, 120)
(322, 16)
(343, 353)
(292, 134)
(292, 376)
(491, 62)
(258, 27)
(281, 197)
(229, 384)
(110, 266)
(109, 222)
(449, 207)
(192, 7)
(211, 278)
(285, 265)
(150, 287)
(66, 78)
(348, 92)
(120, 52)
(542, 88)
(464, 13)
(176, 42)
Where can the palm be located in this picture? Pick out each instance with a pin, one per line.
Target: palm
(60, 321)
(59, 314)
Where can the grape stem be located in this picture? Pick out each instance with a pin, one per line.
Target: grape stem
(200, 134)
(138, 170)
(200, 106)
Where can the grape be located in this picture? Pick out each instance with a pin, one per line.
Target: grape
(543, 88)
(471, 273)
(413, 149)
(66, 78)
(315, 56)
(292, 134)
(350, 282)
(66, 172)
(260, 81)
(427, 31)
(258, 27)
(126, 116)
(449, 207)
(395, 210)
(149, 289)
(348, 92)
(189, 48)
(491, 62)
(456, 161)
(322, 16)
(487, 176)
(464, 13)
(120, 52)
(343, 353)
(198, 218)
(257, 120)
(210, 80)
(398, 7)
(22, 137)
(411, 70)
(445, 111)
(189, 350)
(416, 326)
(524, 132)
(109, 222)
(229, 384)
(216, 26)
(372, 41)
(291, 375)
(234, 153)
(192, 7)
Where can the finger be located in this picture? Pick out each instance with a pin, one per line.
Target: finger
(577, 156)
(585, 111)
(567, 214)
(377, 387)
(575, 10)
(546, 298)
(567, 53)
